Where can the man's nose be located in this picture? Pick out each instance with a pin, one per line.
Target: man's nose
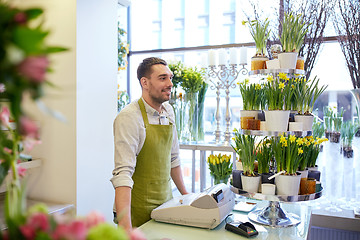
(170, 82)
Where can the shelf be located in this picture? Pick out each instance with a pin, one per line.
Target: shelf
(276, 71)
(274, 133)
(277, 198)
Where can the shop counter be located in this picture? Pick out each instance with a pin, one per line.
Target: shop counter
(156, 230)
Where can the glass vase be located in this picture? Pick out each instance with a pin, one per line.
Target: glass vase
(190, 119)
(222, 179)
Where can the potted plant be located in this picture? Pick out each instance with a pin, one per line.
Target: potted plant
(252, 97)
(306, 93)
(349, 130)
(292, 37)
(312, 148)
(328, 121)
(288, 152)
(260, 33)
(277, 97)
(246, 147)
(220, 167)
(337, 122)
(264, 157)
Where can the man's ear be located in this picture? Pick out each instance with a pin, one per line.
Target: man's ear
(144, 82)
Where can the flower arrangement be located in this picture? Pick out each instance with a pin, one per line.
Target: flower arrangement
(23, 66)
(123, 49)
(278, 92)
(123, 98)
(260, 33)
(264, 156)
(24, 62)
(293, 32)
(41, 225)
(306, 93)
(252, 95)
(246, 148)
(220, 167)
(311, 148)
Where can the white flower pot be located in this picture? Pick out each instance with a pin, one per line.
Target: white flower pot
(307, 121)
(304, 174)
(288, 185)
(273, 64)
(250, 184)
(288, 60)
(295, 126)
(277, 120)
(249, 113)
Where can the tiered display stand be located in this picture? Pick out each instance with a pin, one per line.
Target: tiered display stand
(273, 214)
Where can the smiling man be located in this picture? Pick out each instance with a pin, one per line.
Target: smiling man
(146, 148)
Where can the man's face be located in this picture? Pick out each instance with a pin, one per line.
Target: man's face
(159, 84)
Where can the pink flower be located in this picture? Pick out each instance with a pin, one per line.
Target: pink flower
(28, 231)
(20, 17)
(78, 229)
(4, 116)
(93, 219)
(136, 234)
(21, 171)
(34, 68)
(28, 128)
(60, 232)
(9, 151)
(39, 221)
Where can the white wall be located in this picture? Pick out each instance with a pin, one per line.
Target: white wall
(77, 156)
(96, 103)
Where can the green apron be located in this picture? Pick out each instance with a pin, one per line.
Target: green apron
(152, 186)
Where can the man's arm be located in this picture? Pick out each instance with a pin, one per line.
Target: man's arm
(177, 177)
(123, 207)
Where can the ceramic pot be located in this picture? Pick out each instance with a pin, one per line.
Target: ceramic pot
(268, 188)
(295, 126)
(288, 185)
(307, 121)
(304, 173)
(246, 115)
(314, 174)
(300, 63)
(288, 60)
(236, 176)
(265, 176)
(258, 63)
(250, 184)
(273, 64)
(277, 120)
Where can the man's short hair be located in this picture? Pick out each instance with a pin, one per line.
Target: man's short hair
(144, 69)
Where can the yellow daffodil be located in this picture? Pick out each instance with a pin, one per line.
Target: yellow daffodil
(270, 78)
(243, 22)
(292, 138)
(246, 81)
(283, 139)
(257, 87)
(281, 86)
(299, 141)
(300, 151)
(283, 76)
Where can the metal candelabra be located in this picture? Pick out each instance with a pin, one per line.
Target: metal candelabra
(224, 78)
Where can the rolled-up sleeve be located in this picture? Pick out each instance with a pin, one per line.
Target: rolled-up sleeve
(127, 141)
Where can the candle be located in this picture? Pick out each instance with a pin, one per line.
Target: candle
(222, 56)
(243, 55)
(212, 57)
(233, 56)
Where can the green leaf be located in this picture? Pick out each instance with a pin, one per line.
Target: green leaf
(55, 49)
(30, 40)
(33, 13)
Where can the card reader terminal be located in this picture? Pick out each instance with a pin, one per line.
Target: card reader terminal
(246, 229)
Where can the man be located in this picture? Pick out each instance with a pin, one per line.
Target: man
(146, 148)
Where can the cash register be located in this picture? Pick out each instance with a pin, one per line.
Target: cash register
(204, 210)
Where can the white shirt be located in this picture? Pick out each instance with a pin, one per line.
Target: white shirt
(129, 138)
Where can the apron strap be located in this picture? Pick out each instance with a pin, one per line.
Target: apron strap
(143, 112)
